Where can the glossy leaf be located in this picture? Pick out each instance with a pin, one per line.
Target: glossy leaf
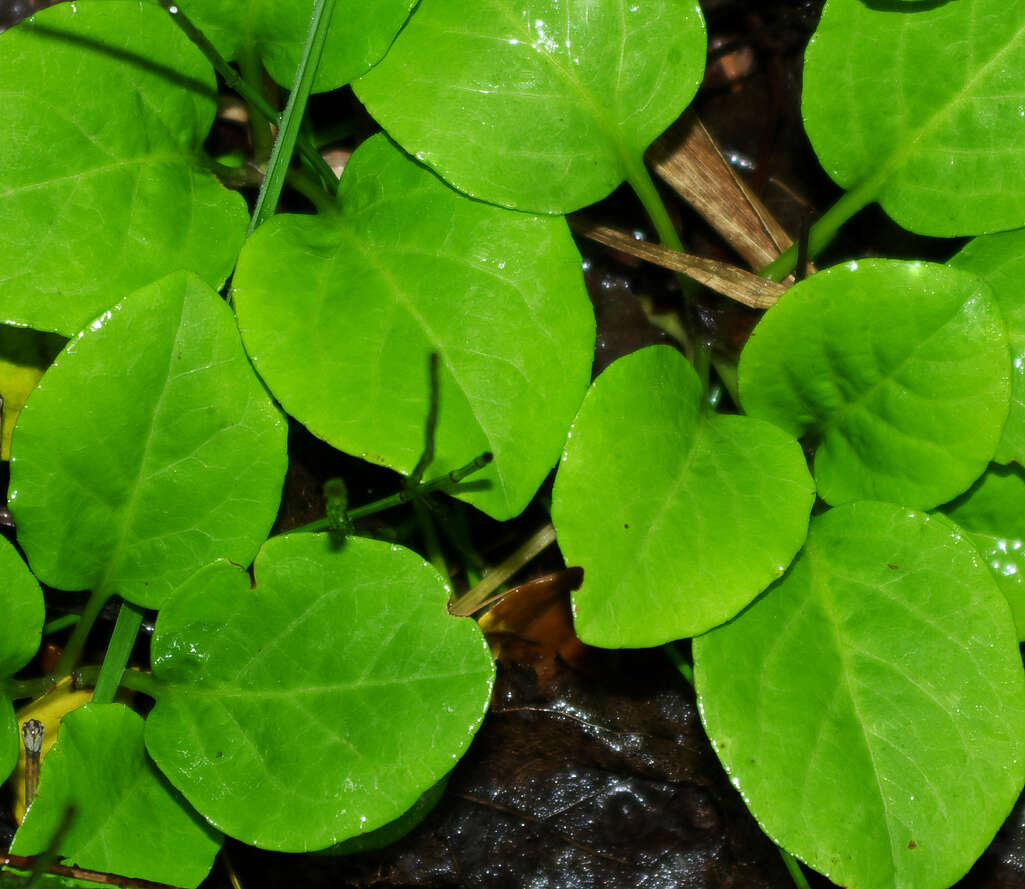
(678, 516)
(410, 267)
(922, 107)
(359, 35)
(870, 706)
(24, 355)
(1000, 260)
(127, 819)
(321, 704)
(127, 198)
(177, 456)
(898, 370)
(20, 633)
(993, 510)
(541, 106)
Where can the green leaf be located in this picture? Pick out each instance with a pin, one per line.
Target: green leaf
(993, 511)
(395, 830)
(412, 267)
(1000, 261)
(870, 706)
(127, 819)
(898, 370)
(359, 35)
(541, 106)
(20, 632)
(126, 199)
(321, 704)
(923, 108)
(24, 355)
(177, 456)
(678, 516)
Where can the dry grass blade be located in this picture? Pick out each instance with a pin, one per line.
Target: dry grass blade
(730, 281)
(689, 160)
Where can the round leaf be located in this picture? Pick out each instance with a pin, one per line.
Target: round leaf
(359, 34)
(898, 370)
(1000, 260)
(993, 511)
(127, 819)
(678, 516)
(870, 706)
(408, 268)
(320, 704)
(539, 106)
(923, 110)
(126, 199)
(177, 456)
(20, 632)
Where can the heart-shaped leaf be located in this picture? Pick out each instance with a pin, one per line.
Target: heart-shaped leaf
(126, 818)
(871, 705)
(322, 703)
(993, 510)
(20, 632)
(543, 106)
(359, 34)
(177, 456)
(1000, 260)
(678, 516)
(922, 109)
(408, 268)
(127, 198)
(898, 370)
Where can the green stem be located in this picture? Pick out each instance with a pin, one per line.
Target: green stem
(823, 231)
(644, 187)
(133, 680)
(73, 650)
(18, 689)
(435, 555)
(681, 663)
(407, 494)
(247, 91)
(310, 189)
(252, 73)
(291, 120)
(122, 641)
(794, 866)
(60, 623)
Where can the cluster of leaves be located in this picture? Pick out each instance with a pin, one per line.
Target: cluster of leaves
(858, 672)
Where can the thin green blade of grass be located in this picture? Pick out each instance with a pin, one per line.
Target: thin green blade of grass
(291, 119)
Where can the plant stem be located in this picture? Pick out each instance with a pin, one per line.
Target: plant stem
(644, 187)
(252, 73)
(73, 650)
(134, 680)
(435, 555)
(291, 120)
(407, 494)
(247, 91)
(680, 662)
(823, 231)
(60, 623)
(794, 866)
(18, 689)
(122, 641)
